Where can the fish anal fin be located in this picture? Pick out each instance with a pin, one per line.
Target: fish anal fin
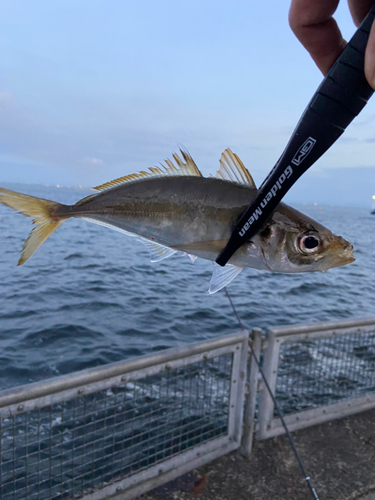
(180, 167)
(233, 170)
(158, 252)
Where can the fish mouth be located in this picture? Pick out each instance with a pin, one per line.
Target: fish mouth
(348, 254)
(346, 257)
(349, 260)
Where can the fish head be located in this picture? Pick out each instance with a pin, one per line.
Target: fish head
(292, 242)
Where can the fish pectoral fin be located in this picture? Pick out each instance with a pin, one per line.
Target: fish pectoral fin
(158, 252)
(222, 276)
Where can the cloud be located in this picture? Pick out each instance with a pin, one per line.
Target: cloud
(92, 161)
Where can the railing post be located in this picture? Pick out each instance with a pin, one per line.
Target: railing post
(269, 368)
(237, 392)
(251, 394)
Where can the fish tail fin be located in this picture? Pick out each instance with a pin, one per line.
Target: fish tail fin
(42, 211)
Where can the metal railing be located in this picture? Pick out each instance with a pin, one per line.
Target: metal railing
(318, 372)
(122, 429)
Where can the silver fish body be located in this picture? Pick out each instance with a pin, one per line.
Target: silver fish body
(177, 209)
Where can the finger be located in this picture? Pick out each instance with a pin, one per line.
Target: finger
(370, 58)
(359, 10)
(315, 28)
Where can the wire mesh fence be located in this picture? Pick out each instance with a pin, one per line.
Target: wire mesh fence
(323, 371)
(75, 447)
(136, 424)
(317, 372)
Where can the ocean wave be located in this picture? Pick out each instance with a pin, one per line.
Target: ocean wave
(91, 296)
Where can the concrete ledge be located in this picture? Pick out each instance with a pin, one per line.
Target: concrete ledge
(338, 455)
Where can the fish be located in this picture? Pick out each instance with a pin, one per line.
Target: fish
(174, 208)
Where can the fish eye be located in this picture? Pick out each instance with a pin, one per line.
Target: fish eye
(308, 243)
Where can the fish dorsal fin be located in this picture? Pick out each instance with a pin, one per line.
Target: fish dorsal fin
(180, 166)
(233, 170)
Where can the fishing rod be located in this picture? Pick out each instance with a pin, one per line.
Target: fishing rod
(338, 100)
(291, 441)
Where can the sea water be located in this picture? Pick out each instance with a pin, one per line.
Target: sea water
(91, 296)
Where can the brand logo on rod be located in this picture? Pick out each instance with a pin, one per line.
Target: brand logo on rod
(303, 151)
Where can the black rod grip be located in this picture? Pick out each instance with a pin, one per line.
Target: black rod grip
(340, 97)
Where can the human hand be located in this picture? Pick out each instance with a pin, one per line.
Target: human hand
(314, 26)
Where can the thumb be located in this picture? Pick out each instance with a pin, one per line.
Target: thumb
(370, 58)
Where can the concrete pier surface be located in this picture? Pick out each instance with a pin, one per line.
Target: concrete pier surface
(339, 456)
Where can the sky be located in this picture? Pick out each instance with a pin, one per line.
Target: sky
(91, 90)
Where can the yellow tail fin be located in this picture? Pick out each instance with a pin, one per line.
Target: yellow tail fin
(41, 211)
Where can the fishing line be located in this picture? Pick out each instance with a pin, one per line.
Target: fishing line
(292, 444)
